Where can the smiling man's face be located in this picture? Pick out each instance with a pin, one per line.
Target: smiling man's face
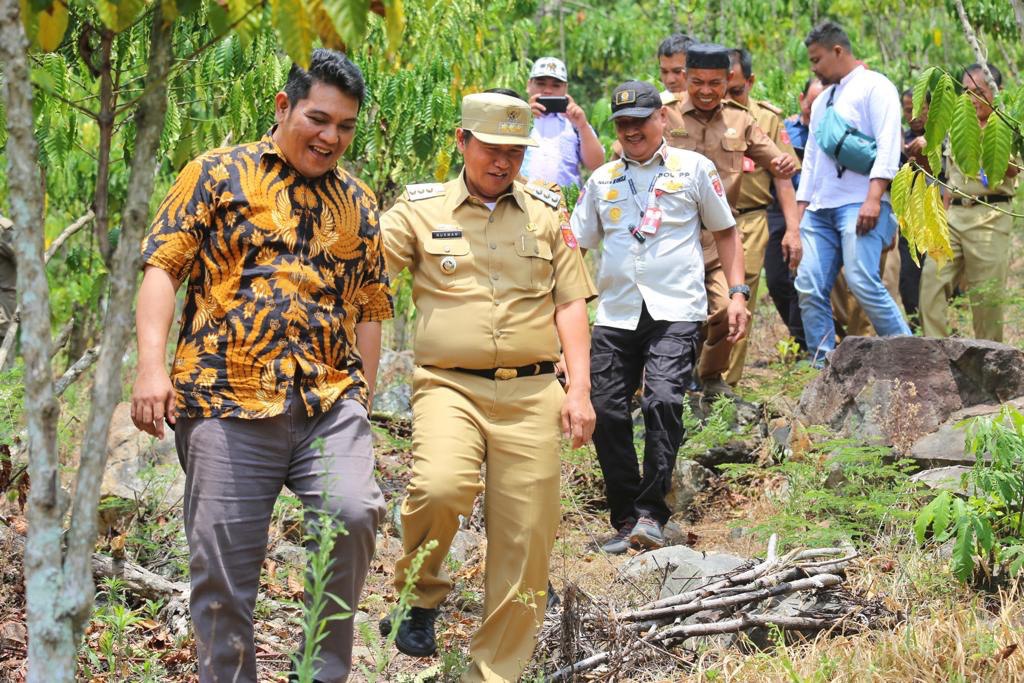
(490, 169)
(315, 131)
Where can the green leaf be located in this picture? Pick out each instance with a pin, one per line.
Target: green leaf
(965, 136)
(942, 518)
(118, 15)
(940, 115)
(983, 533)
(996, 141)
(963, 551)
(921, 88)
(349, 18)
(935, 514)
(900, 189)
(295, 29)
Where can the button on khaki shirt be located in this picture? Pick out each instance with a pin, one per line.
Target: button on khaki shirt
(485, 283)
(756, 185)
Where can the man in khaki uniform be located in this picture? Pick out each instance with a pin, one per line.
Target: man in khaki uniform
(725, 132)
(756, 196)
(498, 284)
(979, 235)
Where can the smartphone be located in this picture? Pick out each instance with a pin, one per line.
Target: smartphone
(554, 105)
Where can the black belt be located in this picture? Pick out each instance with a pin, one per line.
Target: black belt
(740, 212)
(990, 198)
(543, 368)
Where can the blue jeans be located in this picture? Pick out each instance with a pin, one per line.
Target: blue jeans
(830, 240)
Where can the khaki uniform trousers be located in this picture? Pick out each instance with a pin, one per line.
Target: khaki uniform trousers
(980, 238)
(461, 421)
(753, 227)
(851, 320)
(714, 353)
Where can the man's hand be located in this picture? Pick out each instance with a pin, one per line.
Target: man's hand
(574, 112)
(784, 166)
(792, 249)
(915, 146)
(538, 108)
(153, 399)
(578, 417)
(867, 219)
(739, 316)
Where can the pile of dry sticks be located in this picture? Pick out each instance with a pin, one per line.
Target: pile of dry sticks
(728, 603)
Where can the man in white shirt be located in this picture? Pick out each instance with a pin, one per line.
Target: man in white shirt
(645, 212)
(847, 219)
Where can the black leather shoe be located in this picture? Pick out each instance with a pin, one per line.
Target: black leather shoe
(294, 678)
(415, 634)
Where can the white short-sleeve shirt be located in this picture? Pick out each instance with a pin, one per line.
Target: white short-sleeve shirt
(666, 271)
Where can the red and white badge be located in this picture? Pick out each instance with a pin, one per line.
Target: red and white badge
(748, 165)
(652, 220)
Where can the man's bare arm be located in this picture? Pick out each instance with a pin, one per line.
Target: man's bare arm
(153, 396)
(368, 343)
(578, 416)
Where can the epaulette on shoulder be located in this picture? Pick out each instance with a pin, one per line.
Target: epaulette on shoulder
(667, 97)
(770, 107)
(549, 193)
(735, 105)
(418, 191)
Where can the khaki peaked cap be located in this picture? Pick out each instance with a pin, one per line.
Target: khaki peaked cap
(498, 119)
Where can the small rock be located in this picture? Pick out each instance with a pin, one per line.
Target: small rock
(803, 603)
(734, 451)
(836, 477)
(463, 545)
(688, 479)
(288, 553)
(683, 567)
(943, 478)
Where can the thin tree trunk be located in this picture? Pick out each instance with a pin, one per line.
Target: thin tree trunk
(972, 40)
(117, 326)
(105, 120)
(1018, 14)
(51, 646)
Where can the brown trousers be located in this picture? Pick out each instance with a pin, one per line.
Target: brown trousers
(234, 471)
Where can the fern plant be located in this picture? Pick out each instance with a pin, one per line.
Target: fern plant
(987, 527)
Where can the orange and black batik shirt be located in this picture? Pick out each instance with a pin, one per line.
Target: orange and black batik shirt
(280, 269)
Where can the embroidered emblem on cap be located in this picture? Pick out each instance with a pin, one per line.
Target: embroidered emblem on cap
(625, 97)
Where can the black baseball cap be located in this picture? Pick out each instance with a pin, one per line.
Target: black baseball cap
(636, 99)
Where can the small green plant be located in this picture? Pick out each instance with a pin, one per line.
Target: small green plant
(381, 647)
(114, 653)
(838, 492)
(788, 351)
(987, 527)
(716, 430)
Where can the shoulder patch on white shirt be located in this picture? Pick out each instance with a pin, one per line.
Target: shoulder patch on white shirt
(418, 191)
(549, 196)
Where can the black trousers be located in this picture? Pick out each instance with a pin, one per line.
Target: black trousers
(661, 354)
(780, 279)
(910, 282)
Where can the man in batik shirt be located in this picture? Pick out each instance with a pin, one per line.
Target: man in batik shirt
(276, 357)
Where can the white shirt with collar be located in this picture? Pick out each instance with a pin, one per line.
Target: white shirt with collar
(666, 271)
(870, 103)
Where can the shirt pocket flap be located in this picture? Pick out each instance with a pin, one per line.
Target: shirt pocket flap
(612, 195)
(439, 247)
(528, 245)
(734, 144)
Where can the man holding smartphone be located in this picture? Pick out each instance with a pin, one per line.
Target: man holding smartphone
(564, 138)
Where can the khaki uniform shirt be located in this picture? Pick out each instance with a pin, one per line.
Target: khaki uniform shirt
(673, 104)
(974, 186)
(485, 283)
(729, 135)
(756, 187)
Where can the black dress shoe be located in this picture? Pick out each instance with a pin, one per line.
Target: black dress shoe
(416, 632)
(294, 678)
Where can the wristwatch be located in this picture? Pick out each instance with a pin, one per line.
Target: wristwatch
(740, 289)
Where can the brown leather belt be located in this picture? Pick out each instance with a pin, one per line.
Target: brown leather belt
(543, 368)
(740, 212)
(990, 198)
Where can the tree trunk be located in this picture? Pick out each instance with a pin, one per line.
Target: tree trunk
(51, 647)
(78, 588)
(972, 40)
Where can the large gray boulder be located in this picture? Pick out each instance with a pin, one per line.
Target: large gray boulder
(896, 390)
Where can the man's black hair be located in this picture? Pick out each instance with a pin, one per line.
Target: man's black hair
(326, 66)
(808, 83)
(742, 56)
(505, 91)
(675, 44)
(997, 75)
(909, 92)
(828, 34)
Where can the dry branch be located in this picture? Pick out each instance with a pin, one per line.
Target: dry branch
(76, 370)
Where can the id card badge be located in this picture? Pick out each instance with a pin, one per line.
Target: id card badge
(651, 221)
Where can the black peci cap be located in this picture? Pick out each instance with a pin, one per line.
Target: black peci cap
(636, 99)
(708, 56)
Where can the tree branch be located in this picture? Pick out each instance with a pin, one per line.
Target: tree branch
(76, 370)
(51, 647)
(78, 589)
(972, 40)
